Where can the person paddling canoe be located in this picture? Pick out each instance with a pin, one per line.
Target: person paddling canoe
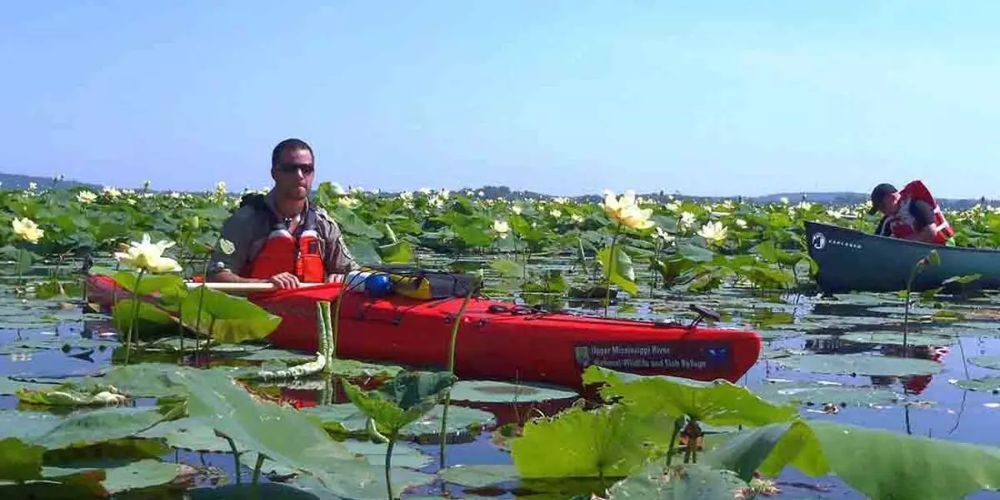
(911, 214)
(282, 238)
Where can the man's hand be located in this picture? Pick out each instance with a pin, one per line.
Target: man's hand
(284, 280)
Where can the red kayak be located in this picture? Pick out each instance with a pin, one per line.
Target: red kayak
(498, 340)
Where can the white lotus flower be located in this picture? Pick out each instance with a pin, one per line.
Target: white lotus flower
(148, 256)
(111, 192)
(556, 213)
(516, 209)
(86, 197)
(742, 224)
(27, 230)
(625, 211)
(32, 186)
(501, 227)
(714, 232)
(687, 219)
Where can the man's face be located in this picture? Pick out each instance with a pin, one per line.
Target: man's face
(890, 204)
(293, 175)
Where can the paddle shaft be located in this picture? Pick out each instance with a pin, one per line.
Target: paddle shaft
(243, 287)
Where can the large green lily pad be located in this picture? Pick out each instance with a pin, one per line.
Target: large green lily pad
(485, 391)
(987, 384)
(687, 482)
(479, 476)
(89, 427)
(860, 364)
(822, 392)
(402, 454)
(133, 476)
(986, 361)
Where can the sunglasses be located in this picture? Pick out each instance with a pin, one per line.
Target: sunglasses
(291, 168)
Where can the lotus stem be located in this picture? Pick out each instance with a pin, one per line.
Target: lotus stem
(328, 332)
(334, 322)
(609, 270)
(197, 320)
(444, 429)
(322, 335)
(388, 465)
(678, 425)
(236, 454)
(135, 315)
(256, 469)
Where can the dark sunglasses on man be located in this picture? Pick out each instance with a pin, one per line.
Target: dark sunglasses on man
(290, 168)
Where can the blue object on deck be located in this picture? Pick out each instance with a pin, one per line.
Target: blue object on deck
(378, 285)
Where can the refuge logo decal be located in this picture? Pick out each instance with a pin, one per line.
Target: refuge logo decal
(819, 241)
(686, 356)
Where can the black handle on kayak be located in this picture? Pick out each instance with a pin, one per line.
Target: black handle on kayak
(703, 312)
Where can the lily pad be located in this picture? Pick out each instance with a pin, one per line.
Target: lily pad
(402, 455)
(10, 387)
(142, 380)
(479, 476)
(900, 310)
(89, 427)
(818, 393)
(347, 420)
(679, 483)
(134, 476)
(485, 391)
(768, 335)
(986, 361)
(893, 338)
(860, 364)
(988, 384)
(189, 434)
(272, 354)
(26, 425)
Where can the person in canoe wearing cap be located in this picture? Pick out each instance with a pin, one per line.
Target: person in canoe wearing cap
(910, 213)
(282, 238)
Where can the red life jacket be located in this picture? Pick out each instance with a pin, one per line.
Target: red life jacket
(903, 224)
(298, 254)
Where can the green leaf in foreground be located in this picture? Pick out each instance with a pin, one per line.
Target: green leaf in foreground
(20, 461)
(769, 449)
(715, 403)
(688, 482)
(860, 364)
(883, 464)
(606, 442)
(227, 319)
(623, 273)
(402, 400)
(346, 420)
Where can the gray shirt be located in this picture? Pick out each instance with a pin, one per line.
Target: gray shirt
(249, 228)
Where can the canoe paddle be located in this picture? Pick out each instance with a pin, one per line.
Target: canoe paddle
(243, 287)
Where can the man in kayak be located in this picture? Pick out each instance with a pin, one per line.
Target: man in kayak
(911, 214)
(281, 237)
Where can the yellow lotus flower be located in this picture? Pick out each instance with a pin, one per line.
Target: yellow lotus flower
(625, 211)
(714, 232)
(663, 235)
(347, 201)
(516, 209)
(27, 230)
(501, 227)
(148, 256)
(86, 197)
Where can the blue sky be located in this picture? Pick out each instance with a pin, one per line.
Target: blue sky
(709, 98)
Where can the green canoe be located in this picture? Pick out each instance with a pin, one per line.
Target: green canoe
(851, 260)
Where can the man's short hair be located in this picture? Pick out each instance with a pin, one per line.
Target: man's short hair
(289, 145)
